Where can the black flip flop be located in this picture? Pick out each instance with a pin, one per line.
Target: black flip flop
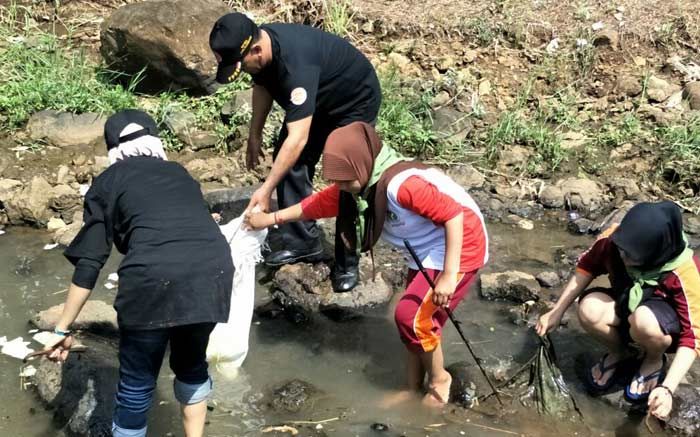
(603, 369)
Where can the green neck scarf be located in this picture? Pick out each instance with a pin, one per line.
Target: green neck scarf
(642, 278)
(385, 159)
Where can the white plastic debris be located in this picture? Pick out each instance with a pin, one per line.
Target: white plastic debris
(83, 189)
(16, 348)
(598, 26)
(27, 371)
(228, 342)
(619, 16)
(581, 43)
(3, 340)
(32, 331)
(110, 286)
(1, 232)
(553, 46)
(50, 246)
(113, 277)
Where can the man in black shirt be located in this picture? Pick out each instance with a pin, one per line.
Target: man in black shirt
(322, 82)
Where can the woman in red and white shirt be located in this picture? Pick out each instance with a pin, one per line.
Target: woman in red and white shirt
(406, 200)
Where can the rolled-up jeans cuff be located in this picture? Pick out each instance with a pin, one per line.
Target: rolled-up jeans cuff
(123, 432)
(189, 394)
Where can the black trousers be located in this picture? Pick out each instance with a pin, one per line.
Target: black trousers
(298, 184)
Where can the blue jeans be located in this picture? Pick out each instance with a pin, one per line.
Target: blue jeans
(141, 355)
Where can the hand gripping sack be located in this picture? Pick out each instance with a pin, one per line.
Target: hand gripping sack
(228, 342)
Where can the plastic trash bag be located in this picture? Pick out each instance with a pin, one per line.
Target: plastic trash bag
(546, 386)
(228, 342)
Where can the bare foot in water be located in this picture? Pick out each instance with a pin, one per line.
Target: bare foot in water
(438, 391)
(398, 397)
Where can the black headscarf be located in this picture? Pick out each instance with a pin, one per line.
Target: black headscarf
(651, 234)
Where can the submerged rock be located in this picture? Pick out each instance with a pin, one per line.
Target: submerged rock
(463, 390)
(513, 285)
(293, 396)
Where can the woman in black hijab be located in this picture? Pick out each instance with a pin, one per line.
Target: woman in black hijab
(174, 281)
(653, 301)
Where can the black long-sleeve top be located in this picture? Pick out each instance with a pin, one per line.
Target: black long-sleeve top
(177, 268)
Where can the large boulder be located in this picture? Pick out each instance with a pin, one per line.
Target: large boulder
(169, 38)
(65, 129)
(513, 286)
(96, 316)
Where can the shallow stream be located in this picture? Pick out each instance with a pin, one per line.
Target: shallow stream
(354, 364)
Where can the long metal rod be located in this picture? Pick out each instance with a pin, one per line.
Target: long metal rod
(452, 319)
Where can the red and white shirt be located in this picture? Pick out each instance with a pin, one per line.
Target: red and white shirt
(419, 202)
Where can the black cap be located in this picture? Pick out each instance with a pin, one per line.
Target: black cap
(117, 122)
(231, 38)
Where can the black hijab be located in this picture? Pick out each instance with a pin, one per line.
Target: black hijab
(651, 234)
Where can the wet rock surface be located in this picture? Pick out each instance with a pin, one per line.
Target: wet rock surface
(81, 391)
(512, 285)
(96, 316)
(303, 289)
(463, 390)
(293, 396)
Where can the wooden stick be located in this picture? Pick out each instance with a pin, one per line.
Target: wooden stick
(505, 431)
(76, 348)
(312, 422)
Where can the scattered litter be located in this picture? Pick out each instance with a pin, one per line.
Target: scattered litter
(32, 331)
(581, 43)
(379, 427)
(83, 189)
(16, 348)
(690, 70)
(113, 277)
(110, 286)
(60, 291)
(50, 246)
(319, 426)
(553, 46)
(526, 224)
(27, 371)
(618, 16)
(598, 26)
(3, 340)
(1, 232)
(285, 428)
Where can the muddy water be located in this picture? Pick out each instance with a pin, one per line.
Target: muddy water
(354, 364)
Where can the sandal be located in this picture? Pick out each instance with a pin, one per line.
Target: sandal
(603, 369)
(659, 375)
